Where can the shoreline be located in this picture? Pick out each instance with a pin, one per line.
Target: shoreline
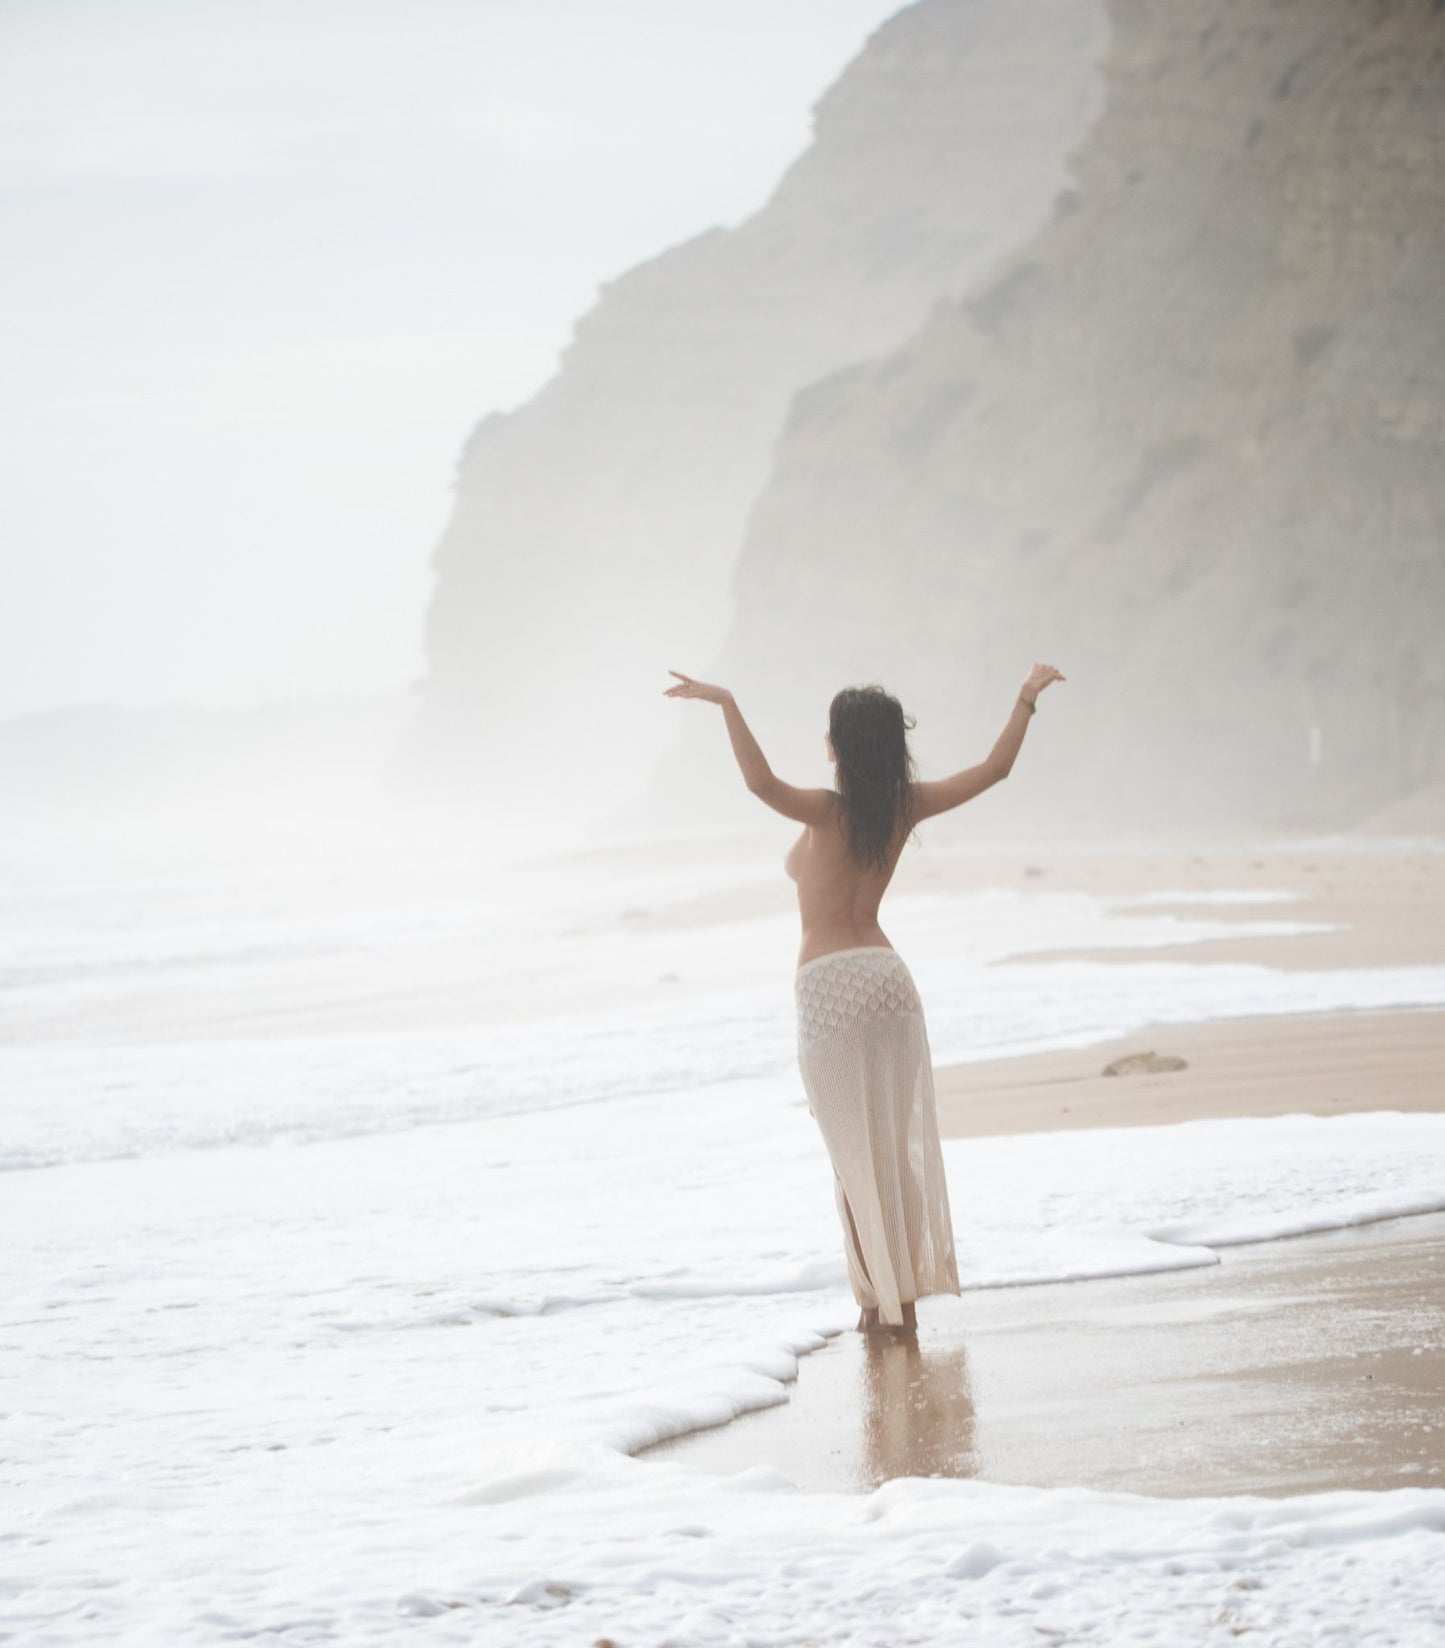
(1297, 1364)
(1382, 901)
(1300, 1364)
(1385, 907)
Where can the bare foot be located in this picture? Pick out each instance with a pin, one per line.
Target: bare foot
(868, 1321)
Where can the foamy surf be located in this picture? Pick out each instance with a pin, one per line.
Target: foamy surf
(349, 1334)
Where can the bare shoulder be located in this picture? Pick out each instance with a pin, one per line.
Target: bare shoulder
(806, 806)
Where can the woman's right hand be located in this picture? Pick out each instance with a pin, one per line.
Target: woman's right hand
(688, 688)
(1039, 677)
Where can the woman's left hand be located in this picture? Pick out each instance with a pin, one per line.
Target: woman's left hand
(688, 688)
(1040, 676)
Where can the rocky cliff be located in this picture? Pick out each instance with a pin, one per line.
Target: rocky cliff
(596, 529)
(1187, 442)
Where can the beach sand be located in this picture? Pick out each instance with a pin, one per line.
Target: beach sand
(1324, 1064)
(1386, 906)
(1296, 1365)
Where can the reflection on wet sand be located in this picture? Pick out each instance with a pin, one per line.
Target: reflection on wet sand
(917, 1408)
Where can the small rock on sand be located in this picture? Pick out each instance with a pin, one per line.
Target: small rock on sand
(1144, 1064)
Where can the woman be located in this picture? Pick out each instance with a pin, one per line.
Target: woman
(862, 1042)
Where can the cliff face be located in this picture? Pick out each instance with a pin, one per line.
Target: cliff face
(1187, 443)
(596, 529)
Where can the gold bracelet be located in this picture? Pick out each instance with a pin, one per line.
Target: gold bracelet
(1029, 701)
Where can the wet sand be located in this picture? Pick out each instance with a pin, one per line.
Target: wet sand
(1292, 1366)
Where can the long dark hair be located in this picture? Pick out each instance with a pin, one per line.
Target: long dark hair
(876, 771)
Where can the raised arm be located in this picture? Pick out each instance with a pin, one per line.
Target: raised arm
(940, 795)
(807, 806)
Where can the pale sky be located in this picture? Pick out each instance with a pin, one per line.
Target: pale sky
(266, 263)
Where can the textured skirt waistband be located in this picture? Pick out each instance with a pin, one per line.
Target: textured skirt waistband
(883, 951)
(850, 989)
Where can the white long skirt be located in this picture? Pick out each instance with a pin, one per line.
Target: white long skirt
(868, 1073)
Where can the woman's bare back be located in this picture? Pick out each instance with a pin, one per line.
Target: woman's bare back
(838, 898)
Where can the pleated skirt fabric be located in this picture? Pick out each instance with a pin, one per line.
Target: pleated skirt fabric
(866, 1066)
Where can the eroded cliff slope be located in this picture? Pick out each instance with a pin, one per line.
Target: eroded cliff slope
(1188, 444)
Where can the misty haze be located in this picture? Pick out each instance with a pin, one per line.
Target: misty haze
(721, 727)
